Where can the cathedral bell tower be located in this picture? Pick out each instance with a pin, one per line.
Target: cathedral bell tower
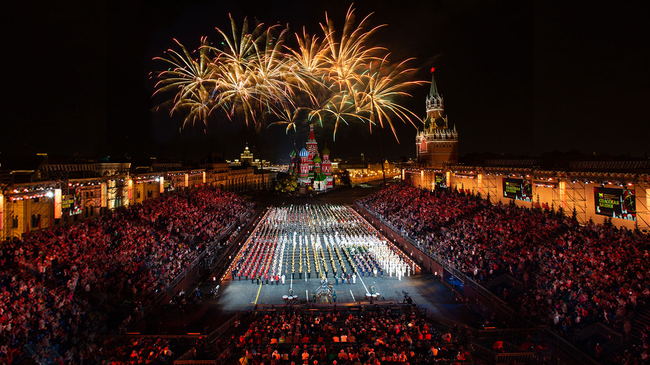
(436, 143)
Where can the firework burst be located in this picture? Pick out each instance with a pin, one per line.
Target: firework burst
(256, 75)
(383, 86)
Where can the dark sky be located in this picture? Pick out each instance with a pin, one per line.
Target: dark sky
(514, 80)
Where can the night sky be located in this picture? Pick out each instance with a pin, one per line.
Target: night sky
(515, 81)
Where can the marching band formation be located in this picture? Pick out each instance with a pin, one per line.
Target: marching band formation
(324, 242)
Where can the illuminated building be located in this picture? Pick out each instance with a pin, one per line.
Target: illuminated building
(589, 190)
(437, 143)
(64, 199)
(246, 157)
(310, 168)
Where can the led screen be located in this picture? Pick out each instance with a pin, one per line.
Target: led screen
(615, 203)
(520, 189)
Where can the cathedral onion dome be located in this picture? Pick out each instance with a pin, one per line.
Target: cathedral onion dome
(292, 154)
(320, 177)
(304, 153)
(317, 159)
(326, 151)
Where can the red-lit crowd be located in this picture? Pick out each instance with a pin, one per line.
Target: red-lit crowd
(61, 287)
(376, 336)
(138, 351)
(572, 275)
(412, 210)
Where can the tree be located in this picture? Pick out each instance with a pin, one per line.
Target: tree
(286, 183)
(345, 178)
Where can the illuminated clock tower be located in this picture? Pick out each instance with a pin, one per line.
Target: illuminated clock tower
(436, 143)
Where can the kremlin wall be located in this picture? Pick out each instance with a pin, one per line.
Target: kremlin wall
(592, 194)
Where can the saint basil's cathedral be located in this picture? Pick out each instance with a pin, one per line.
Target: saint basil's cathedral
(310, 168)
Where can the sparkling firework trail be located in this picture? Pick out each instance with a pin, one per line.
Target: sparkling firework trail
(255, 75)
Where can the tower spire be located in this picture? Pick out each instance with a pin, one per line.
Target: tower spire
(312, 138)
(435, 102)
(433, 91)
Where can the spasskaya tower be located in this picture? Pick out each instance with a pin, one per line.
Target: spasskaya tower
(436, 143)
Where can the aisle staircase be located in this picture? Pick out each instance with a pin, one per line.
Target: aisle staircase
(641, 323)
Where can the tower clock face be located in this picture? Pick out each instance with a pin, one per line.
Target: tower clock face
(440, 122)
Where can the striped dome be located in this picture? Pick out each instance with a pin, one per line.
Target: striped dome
(304, 153)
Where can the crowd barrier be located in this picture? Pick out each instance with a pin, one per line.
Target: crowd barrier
(212, 336)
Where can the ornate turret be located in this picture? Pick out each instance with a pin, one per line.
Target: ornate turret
(312, 145)
(326, 168)
(326, 151)
(246, 157)
(437, 143)
(304, 166)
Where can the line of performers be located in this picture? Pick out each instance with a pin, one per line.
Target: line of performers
(319, 241)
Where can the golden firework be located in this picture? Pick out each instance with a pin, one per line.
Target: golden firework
(254, 74)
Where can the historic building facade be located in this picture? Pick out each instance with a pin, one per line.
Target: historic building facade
(43, 204)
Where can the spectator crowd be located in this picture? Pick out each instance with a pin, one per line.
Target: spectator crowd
(415, 212)
(573, 275)
(61, 288)
(377, 335)
(134, 351)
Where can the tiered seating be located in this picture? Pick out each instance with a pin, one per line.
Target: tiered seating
(378, 334)
(81, 281)
(590, 273)
(411, 210)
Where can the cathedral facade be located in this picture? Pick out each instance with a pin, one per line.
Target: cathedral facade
(310, 167)
(437, 142)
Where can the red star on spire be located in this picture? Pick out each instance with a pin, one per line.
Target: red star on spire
(433, 69)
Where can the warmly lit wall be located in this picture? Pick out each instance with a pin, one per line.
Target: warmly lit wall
(554, 190)
(437, 152)
(116, 192)
(425, 179)
(548, 190)
(145, 190)
(26, 214)
(54, 203)
(196, 178)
